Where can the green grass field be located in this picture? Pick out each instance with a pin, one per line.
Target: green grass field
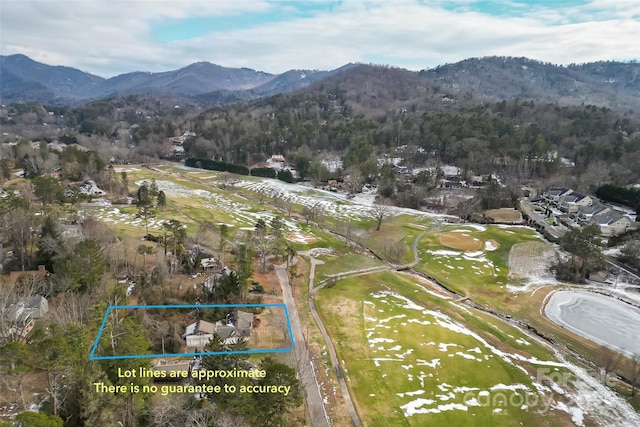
(393, 352)
(340, 264)
(415, 359)
(401, 228)
(481, 276)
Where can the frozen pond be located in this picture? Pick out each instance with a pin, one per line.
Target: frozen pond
(599, 318)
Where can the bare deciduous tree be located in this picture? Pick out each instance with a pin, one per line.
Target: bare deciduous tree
(380, 212)
(394, 250)
(310, 213)
(264, 246)
(354, 180)
(73, 308)
(608, 360)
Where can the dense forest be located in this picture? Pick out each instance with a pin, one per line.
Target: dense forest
(365, 122)
(379, 112)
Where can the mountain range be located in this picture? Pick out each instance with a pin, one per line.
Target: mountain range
(23, 79)
(612, 84)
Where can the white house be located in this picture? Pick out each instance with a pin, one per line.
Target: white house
(91, 189)
(17, 317)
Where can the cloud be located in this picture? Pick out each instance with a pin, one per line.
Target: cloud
(112, 37)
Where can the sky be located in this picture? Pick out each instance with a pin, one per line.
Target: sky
(110, 37)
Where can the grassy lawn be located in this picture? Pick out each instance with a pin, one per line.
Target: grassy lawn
(504, 215)
(323, 239)
(402, 229)
(391, 338)
(339, 264)
(482, 276)
(410, 358)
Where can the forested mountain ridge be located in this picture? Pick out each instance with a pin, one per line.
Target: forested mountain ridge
(22, 78)
(356, 117)
(614, 85)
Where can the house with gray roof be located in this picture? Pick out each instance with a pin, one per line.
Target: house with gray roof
(244, 323)
(553, 194)
(611, 223)
(585, 213)
(236, 326)
(18, 316)
(198, 334)
(571, 202)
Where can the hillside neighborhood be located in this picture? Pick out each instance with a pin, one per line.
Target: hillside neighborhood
(575, 209)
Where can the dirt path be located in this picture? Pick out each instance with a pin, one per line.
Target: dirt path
(332, 351)
(304, 367)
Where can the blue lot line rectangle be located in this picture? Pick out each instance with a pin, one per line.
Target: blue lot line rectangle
(92, 356)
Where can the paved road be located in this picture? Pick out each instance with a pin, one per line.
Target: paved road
(389, 266)
(525, 205)
(306, 372)
(617, 264)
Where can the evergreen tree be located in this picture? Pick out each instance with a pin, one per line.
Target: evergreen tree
(274, 409)
(177, 231)
(162, 199)
(235, 403)
(48, 189)
(122, 336)
(125, 182)
(83, 268)
(146, 213)
(153, 189)
(277, 233)
(37, 419)
(244, 261)
(144, 196)
(49, 244)
(228, 290)
(261, 227)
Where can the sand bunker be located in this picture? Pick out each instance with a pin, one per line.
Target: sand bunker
(491, 245)
(461, 241)
(510, 216)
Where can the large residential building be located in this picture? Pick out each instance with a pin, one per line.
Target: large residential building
(611, 223)
(588, 210)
